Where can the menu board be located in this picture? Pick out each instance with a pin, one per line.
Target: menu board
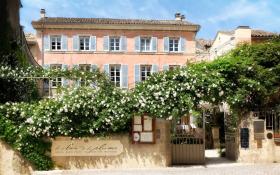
(148, 123)
(143, 129)
(146, 137)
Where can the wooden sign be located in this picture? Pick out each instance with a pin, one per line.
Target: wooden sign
(258, 129)
(86, 148)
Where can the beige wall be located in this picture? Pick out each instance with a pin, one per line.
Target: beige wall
(221, 45)
(268, 153)
(133, 156)
(11, 163)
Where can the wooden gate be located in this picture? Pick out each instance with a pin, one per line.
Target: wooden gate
(187, 144)
(187, 149)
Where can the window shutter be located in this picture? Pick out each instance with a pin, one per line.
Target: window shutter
(154, 44)
(166, 44)
(77, 83)
(64, 67)
(154, 68)
(93, 43)
(165, 67)
(64, 42)
(76, 43)
(75, 66)
(106, 43)
(182, 44)
(65, 82)
(93, 67)
(124, 76)
(137, 73)
(107, 69)
(47, 42)
(46, 66)
(46, 85)
(123, 43)
(137, 44)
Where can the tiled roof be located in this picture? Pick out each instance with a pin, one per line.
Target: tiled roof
(255, 33)
(204, 42)
(60, 20)
(262, 33)
(230, 32)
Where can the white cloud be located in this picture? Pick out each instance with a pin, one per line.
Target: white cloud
(240, 9)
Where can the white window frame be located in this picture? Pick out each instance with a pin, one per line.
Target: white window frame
(56, 82)
(56, 42)
(114, 69)
(83, 41)
(174, 44)
(145, 44)
(113, 46)
(145, 71)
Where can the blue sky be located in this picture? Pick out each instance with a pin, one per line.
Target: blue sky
(212, 15)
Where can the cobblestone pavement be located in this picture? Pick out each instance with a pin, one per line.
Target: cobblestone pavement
(217, 169)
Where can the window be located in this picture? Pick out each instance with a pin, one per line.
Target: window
(145, 72)
(173, 44)
(56, 82)
(84, 42)
(145, 44)
(115, 71)
(114, 43)
(56, 42)
(84, 67)
(172, 67)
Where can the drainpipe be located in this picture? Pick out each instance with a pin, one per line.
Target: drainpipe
(43, 13)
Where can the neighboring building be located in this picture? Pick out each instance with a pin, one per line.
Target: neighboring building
(129, 50)
(202, 49)
(227, 40)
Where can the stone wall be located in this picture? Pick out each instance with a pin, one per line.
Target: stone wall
(133, 155)
(11, 163)
(259, 151)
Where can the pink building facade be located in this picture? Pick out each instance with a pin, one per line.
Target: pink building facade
(127, 50)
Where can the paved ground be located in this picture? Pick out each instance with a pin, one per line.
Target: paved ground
(214, 166)
(273, 169)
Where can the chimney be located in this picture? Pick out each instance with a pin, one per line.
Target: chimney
(242, 34)
(43, 13)
(179, 17)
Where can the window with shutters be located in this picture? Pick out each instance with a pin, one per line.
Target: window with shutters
(115, 74)
(173, 44)
(84, 67)
(55, 42)
(114, 43)
(56, 82)
(84, 42)
(172, 67)
(145, 44)
(145, 71)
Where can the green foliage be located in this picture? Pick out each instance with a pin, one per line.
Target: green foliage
(246, 78)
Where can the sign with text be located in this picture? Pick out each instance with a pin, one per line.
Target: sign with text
(143, 129)
(86, 148)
